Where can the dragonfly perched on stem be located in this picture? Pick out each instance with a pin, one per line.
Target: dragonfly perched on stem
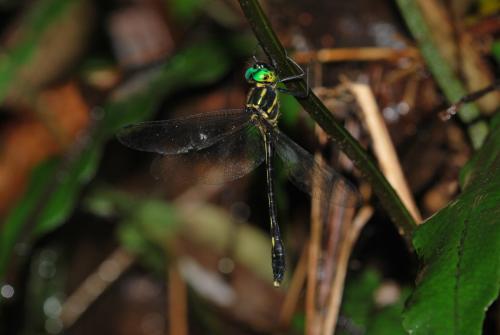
(235, 142)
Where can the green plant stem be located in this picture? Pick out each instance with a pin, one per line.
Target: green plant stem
(275, 51)
(449, 83)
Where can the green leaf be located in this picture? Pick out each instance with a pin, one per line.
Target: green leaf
(49, 199)
(459, 248)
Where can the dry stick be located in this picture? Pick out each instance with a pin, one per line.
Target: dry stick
(339, 223)
(95, 284)
(355, 54)
(383, 147)
(346, 246)
(312, 326)
(293, 292)
(314, 245)
(177, 302)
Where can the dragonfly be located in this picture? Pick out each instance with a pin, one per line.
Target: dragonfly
(235, 142)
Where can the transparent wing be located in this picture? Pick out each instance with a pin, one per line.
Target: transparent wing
(318, 180)
(184, 134)
(230, 157)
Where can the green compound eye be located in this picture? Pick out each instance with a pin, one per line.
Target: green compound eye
(249, 73)
(260, 74)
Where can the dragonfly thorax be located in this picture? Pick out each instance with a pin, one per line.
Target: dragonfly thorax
(263, 101)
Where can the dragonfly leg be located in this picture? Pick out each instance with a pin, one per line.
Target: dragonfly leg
(301, 75)
(277, 249)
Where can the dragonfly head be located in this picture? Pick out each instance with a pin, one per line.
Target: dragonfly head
(261, 73)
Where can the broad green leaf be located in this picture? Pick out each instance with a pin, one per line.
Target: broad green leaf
(54, 189)
(459, 248)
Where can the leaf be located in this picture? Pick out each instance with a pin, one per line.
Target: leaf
(48, 201)
(55, 187)
(459, 248)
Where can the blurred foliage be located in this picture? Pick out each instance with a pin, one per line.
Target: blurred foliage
(185, 10)
(361, 315)
(489, 7)
(31, 35)
(459, 249)
(55, 186)
(495, 51)
(448, 82)
(47, 280)
(146, 226)
(290, 109)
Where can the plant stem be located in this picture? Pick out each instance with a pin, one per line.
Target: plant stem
(449, 83)
(275, 51)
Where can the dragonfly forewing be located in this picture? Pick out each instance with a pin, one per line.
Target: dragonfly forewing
(185, 134)
(234, 155)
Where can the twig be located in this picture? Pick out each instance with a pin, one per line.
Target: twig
(95, 284)
(452, 110)
(274, 50)
(346, 246)
(293, 292)
(355, 54)
(382, 145)
(312, 324)
(177, 302)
